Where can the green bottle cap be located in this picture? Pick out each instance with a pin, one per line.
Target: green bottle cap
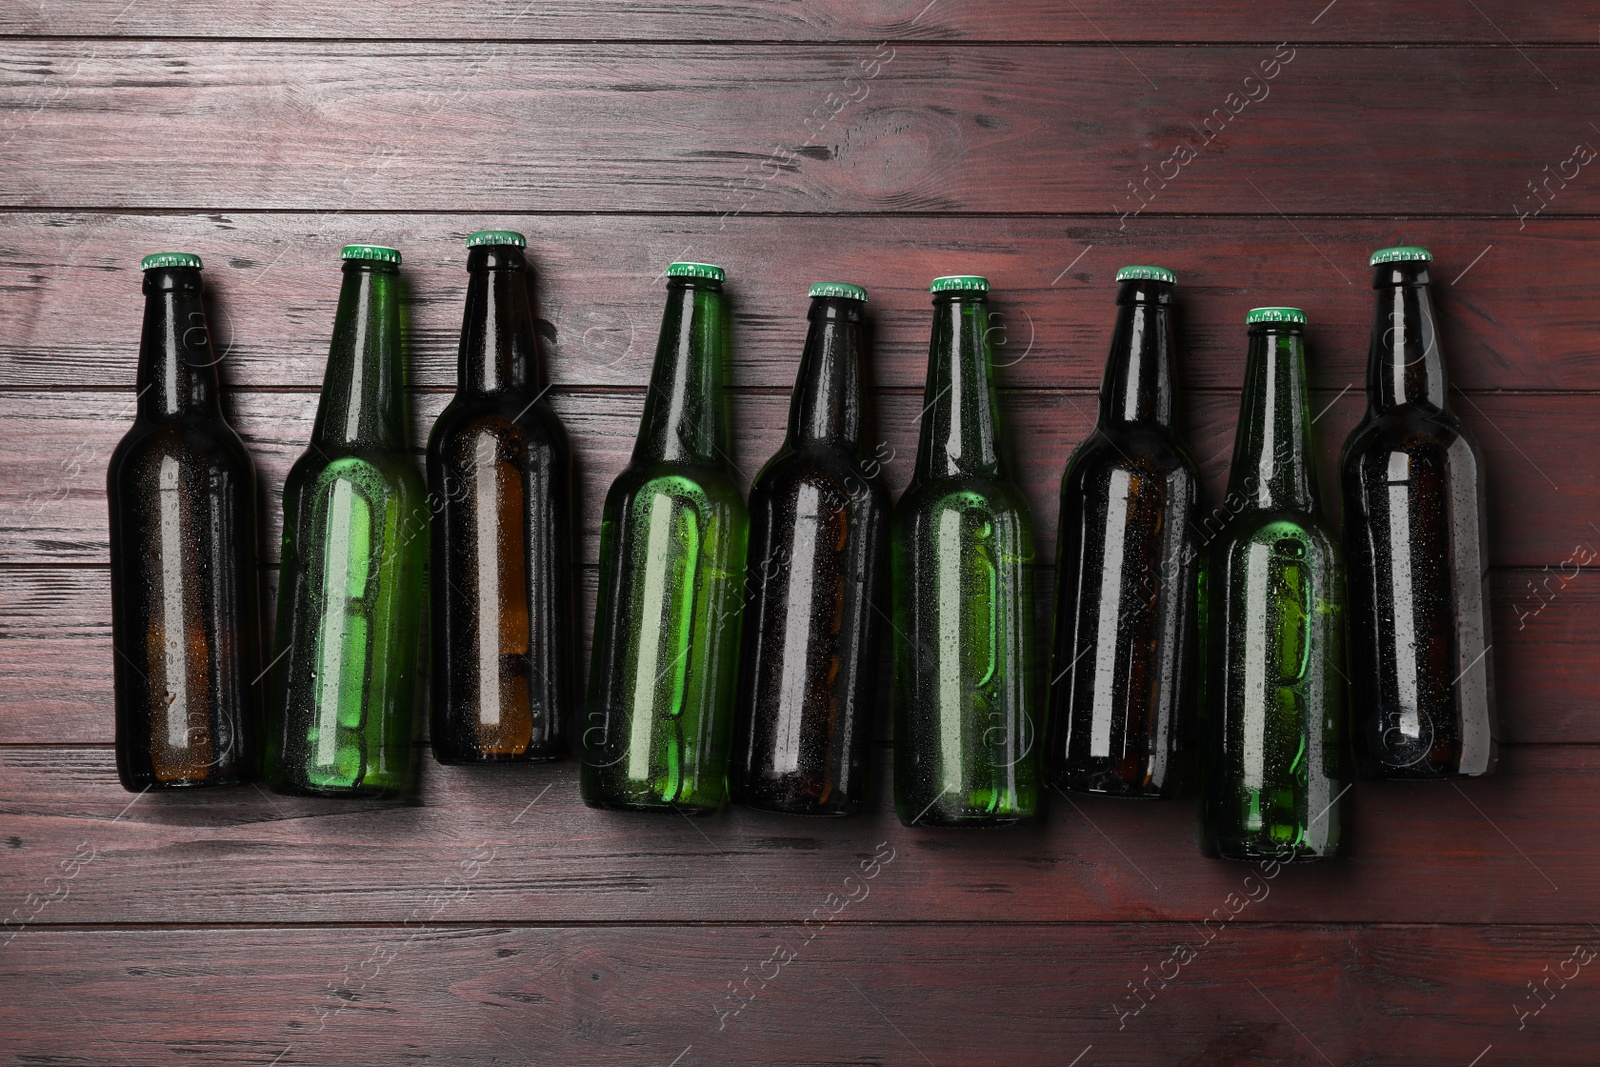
(839, 289)
(497, 237)
(696, 270)
(170, 259)
(1401, 254)
(1294, 315)
(959, 283)
(1147, 274)
(375, 253)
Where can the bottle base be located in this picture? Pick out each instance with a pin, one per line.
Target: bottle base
(791, 805)
(653, 807)
(178, 785)
(291, 789)
(1251, 851)
(942, 821)
(457, 759)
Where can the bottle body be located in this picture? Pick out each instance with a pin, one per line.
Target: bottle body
(1274, 603)
(1415, 536)
(350, 598)
(1127, 578)
(499, 478)
(962, 562)
(818, 543)
(656, 730)
(1275, 695)
(185, 629)
(1127, 566)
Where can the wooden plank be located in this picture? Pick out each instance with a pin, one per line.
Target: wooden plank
(1425, 995)
(1511, 322)
(55, 673)
(1091, 21)
(1511, 849)
(340, 126)
(54, 447)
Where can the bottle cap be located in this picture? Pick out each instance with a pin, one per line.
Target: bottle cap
(839, 289)
(1294, 315)
(1147, 274)
(697, 270)
(374, 253)
(1401, 254)
(170, 259)
(959, 283)
(497, 237)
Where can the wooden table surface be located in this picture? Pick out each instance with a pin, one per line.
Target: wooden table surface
(494, 918)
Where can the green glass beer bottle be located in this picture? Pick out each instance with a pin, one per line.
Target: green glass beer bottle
(656, 729)
(1273, 600)
(818, 537)
(181, 490)
(962, 565)
(1423, 672)
(355, 534)
(1126, 556)
(499, 474)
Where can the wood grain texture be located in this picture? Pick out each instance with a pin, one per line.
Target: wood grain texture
(1510, 321)
(54, 446)
(957, 997)
(55, 653)
(1089, 21)
(340, 126)
(1511, 849)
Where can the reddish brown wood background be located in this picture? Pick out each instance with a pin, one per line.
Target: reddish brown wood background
(494, 919)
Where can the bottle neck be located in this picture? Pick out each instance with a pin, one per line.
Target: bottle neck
(960, 431)
(684, 418)
(361, 389)
(1272, 466)
(1138, 381)
(826, 406)
(1404, 365)
(499, 346)
(177, 372)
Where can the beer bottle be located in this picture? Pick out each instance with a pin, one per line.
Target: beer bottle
(1419, 564)
(181, 490)
(499, 474)
(1125, 572)
(818, 523)
(665, 661)
(963, 606)
(1274, 608)
(355, 534)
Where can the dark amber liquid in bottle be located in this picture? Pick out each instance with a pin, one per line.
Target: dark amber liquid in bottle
(184, 626)
(1127, 557)
(818, 535)
(499, 476)
(1422, 671)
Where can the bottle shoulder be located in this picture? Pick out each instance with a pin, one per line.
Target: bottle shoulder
(929, 495)
(210, 443)
(708, 483)
(1151, 450)
(1271, 527)
(508, 415)
(834, 469)
(1420, 434)
(379, 472)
